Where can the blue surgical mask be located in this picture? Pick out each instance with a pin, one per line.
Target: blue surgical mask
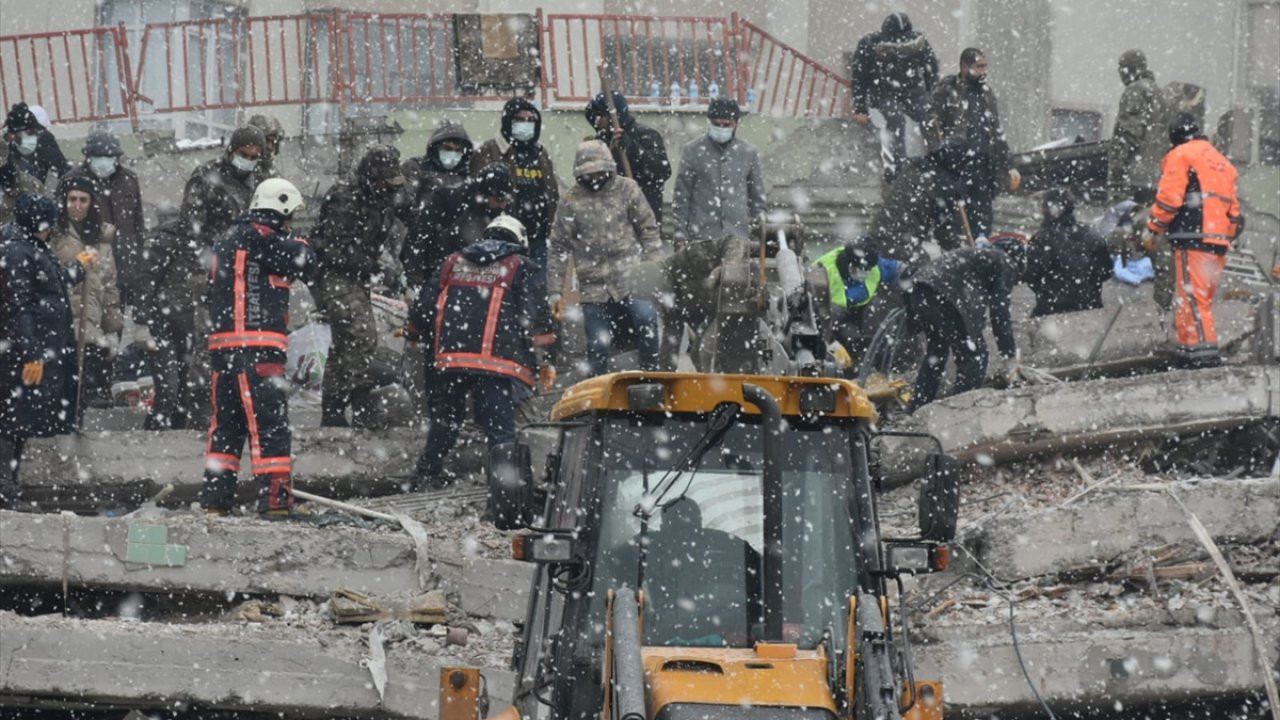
(523, 131)
(28, 143)
(719, 134)
(244, 164)
(449, 159)
(102, 166)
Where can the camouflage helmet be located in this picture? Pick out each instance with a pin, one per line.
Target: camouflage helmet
(268, 125)
(1133, 64)
(381, 164)
(244, 137)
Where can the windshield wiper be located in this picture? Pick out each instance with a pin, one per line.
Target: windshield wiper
(722, 418)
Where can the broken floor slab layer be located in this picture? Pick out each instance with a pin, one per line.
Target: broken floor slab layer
(1093, 531)
(100, 470)
(979, 667)
(195, 554)
(992, 425)
(298, 671)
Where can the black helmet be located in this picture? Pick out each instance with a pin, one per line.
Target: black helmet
(102, 143)
(859, 255)
(1183, 128)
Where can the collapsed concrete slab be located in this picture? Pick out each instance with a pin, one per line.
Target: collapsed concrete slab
(261, 668)
(99, 470)
(1093, 531)
(496, 588)
(980, 670)
(1000, 425)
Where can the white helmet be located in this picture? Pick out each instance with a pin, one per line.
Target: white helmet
(277, 194)
(511, 225)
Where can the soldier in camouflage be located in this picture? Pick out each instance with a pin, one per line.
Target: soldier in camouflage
(1140, 139)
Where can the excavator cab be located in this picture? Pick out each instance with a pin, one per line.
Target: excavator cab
(708, 546)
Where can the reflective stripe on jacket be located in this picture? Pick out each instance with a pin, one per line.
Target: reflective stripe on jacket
(1196, 203)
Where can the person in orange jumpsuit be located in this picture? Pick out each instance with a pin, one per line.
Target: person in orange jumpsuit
(1198, 210)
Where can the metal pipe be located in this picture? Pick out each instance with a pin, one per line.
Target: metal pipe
(628, 665)
(771, 413)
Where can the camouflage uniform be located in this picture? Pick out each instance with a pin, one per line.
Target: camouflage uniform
(1141, 138)
(690, 274)
(272, 132)
(922, 204)
(13, 182)
(354, 227)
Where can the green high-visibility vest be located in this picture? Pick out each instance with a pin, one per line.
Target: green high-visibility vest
(839, 294)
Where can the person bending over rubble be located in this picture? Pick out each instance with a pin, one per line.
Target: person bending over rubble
(486, 321)
(253, 265)
(38, 357)
(855, 274)
(948, 301)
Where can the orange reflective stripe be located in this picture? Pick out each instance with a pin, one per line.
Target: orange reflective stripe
(489, 363)
(251, 416)
(279, 282)
(217, 462)
(491, 320)
(225, 340)
(242, 257)
(267, 466)
(213, 422)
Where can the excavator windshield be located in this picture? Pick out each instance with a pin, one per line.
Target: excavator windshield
(697, 554)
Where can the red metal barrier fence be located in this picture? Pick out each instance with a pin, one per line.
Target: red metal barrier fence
(406, 59)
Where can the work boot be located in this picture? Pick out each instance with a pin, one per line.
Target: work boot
(333, 412)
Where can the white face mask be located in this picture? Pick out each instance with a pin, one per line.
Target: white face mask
(523, 131)
(244, 164)
(28, 143)
(449, 159)
(102, 167)
(719, 134)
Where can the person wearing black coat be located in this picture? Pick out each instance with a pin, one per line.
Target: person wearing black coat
(949, 300)
(36, 150)
(1067, 262)
(643, 147)
(38, 361)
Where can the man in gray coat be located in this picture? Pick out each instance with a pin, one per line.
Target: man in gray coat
(720, 188)
(605, 225)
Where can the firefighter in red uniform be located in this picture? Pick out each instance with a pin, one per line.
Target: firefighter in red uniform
(1198, 210)
(252, 266)
(488, 321)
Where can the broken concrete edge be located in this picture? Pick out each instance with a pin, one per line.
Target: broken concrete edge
(980, 667)
(205, 666)
(249, 558)
(1068, 538)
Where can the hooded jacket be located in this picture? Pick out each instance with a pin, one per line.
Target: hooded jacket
(976, 282)
(891, 65)
(120, 200)
(454, 218)
(719, 191)
(35, 314)
(103, 316)
(424, 174)
(643, 147)
(1141, 133)
(606, 232)
(537, 191)
(1067, 265)
(486, 313)
(354, 226)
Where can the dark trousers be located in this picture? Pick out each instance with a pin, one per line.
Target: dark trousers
(250, 402)
(494, 398)
(10, 460)
(604, 321)
(980, 193)
(896, 112)
(170, 367)
(945, 335)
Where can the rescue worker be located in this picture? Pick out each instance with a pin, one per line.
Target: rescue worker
(454, 218)
(165, 326)
(720, 189)
(641, 145)
(486, 322)
(537, 191)
(606, 226)
(253, 265)
(923, 204)
(1198, 212)
(14, 182)
(1067, 262)
(354, 227)
(894, 70)
(1138, 143)
(216, 194)
(964, 105)
(856, 272)
(119, 200)
(36, 150)
(273, 135)
(949, 300)
(692, 275)
(37, 359)
(446, 163)
(95, 310)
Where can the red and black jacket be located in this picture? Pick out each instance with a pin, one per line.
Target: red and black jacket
(253, 265)
(487, 313)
